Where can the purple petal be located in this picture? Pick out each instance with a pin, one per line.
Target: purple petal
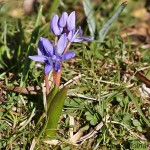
(71, 35)
(48, 46)
(47, 68)
(71, 21)
(63, 20)
(79, 39)
(68, 55)
(57, 66)
(38, 58)
(40, 47)
(86, 38)
(61, 45)
(54, 25)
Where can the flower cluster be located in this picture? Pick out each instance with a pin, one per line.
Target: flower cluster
(53, 54)
(66, 24)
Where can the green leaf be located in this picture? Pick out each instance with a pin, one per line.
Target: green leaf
(91, 117)
(54, 112)
(126, 100)
(107, 25)
(31, 48)
(146, 55)
(54, 6)
(136, 123)
(88, 9)
(120, 100)
(127, 117)
(134, 100)
(2, 51)
(51, 96)
(99, 55)
(1, 114)
(139, 128)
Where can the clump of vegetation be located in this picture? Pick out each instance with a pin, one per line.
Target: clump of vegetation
(105, 102)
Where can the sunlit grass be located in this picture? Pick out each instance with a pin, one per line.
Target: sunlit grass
(97, 99)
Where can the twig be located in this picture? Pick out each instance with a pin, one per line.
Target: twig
(33, 144)
(74, 79)
(118, 84)
(74, 139)
(28, 90)
(142, 78)
(77, 137)
(71, 123)
(52, 142)
(94, 131)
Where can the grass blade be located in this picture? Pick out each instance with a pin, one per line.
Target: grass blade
(107, 25)
(31, 48)
(29, 120)
(88, 9)
(133, 98)
(54, 6)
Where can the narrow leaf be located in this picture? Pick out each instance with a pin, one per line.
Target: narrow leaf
(107, 25)
(88, 9)
(134, 100)
(28, 121)
(51, 96)
(54, 112)
(31, 48)
(54, 6)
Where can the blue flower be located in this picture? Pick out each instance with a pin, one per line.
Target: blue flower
(52, 55)
(64, 24)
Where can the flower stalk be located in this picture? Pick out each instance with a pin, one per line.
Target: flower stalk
(57, 77)
(46, 84)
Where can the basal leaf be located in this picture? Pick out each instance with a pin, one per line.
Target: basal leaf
(54, 112)
(88, 9)
(107, 25)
